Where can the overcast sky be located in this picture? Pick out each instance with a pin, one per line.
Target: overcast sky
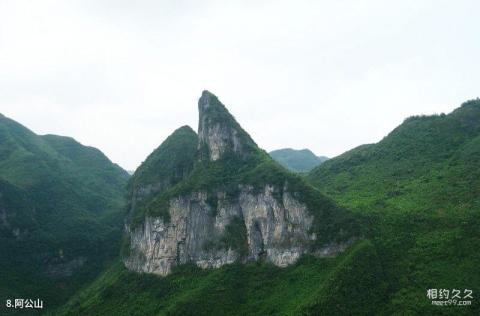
(324, 75)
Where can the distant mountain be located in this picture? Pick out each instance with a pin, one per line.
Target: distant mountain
(302, 160)
(419, 191)
(60, 213)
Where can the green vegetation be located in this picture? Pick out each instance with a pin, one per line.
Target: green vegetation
(310, 286)
(297, 160)
(417, 193)
(232, 172)
(354, 287)
(60, 201)
(171, 161)
(216, 113)
(166, 166)
(235, 237)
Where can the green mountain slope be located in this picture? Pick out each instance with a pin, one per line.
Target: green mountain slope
(297, 160)
(60, 218)
(419, 191)
(348, 284)
(171, 161)
(167, 165)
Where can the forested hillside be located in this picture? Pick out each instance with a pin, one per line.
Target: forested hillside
(418, 192)
(61, 213)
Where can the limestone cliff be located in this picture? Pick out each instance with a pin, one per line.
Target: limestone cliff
(229, 202)
(218, 131)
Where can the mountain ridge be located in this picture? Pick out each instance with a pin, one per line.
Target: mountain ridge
(417, 190)
(302, 160)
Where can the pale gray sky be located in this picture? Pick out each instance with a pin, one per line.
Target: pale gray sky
(326, 75)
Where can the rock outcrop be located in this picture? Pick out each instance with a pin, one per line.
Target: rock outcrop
(277, 230)
(218, 132)
(216, 215)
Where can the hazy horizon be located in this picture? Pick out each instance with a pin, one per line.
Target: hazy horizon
(122, 76)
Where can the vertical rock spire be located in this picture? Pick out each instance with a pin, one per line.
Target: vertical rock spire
(218, 131)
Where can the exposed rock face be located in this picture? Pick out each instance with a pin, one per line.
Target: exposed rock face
(215, 130)
(276, 229)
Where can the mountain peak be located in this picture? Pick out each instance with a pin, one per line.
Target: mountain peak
(209, 105)
(205, 99)
(218, 131)
(302, 160)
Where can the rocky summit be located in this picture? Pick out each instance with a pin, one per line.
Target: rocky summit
(218, 132)
(216, 198)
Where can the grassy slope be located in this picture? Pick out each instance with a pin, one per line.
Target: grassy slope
(170, 162)
(297, 160)
(350, 282)
(71, 197)
(418, 192)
